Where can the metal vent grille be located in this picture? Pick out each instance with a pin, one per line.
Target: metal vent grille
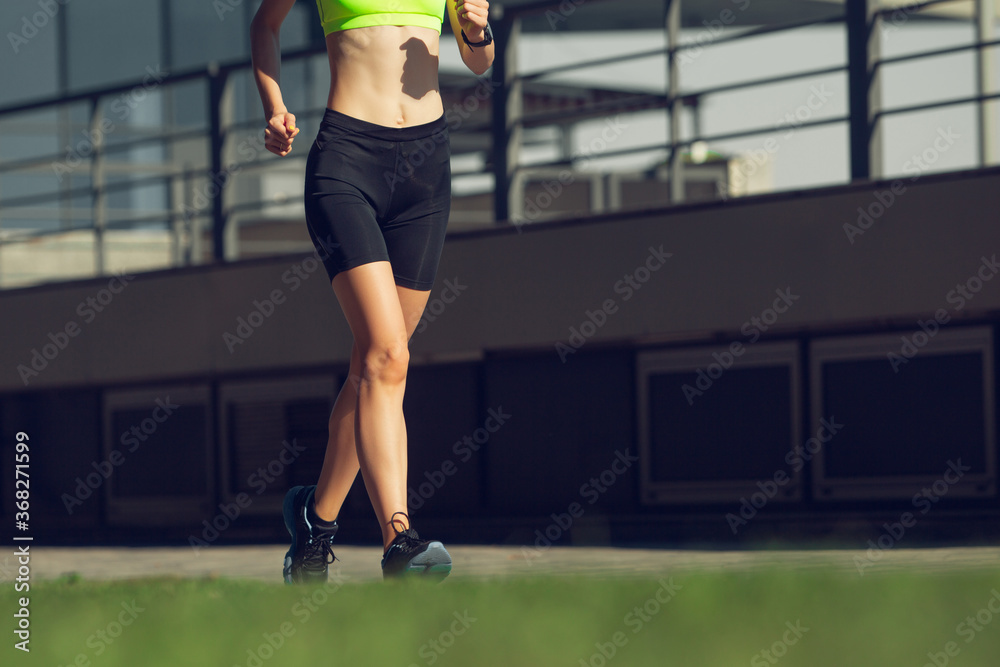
(275, 435)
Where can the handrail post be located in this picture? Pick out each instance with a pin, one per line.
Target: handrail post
(507, 114)
(863, 51)
(97, 185)
(985, 17)
(217, 79)
(675, 105)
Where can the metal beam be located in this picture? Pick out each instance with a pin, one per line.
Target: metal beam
(217, 135)
(675, 105)
(97, 186)
(863, 48)
(985, 20)
(507, 112)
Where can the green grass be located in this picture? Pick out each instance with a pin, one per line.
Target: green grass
(714, 619)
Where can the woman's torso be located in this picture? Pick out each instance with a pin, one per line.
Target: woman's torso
(386, 74)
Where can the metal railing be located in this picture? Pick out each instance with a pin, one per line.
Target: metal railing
(197, 202)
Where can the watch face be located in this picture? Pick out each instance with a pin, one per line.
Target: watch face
(485, 41)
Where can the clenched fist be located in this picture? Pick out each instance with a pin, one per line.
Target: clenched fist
(280, 133)
(472, 15)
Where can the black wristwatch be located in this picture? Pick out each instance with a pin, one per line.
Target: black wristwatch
(487, 38)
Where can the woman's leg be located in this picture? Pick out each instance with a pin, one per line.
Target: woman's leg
(369, 411)
(340, 464)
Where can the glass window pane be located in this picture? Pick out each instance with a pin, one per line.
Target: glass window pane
(134, 249)
(787, 159)
(113, 41)
(201, 32)
(763, 56)
(941, 78)
(48, 258)
(299, 79)
(930, 141)
(939, 26)
(30, 67)
(41, 133)
(129, 207)
(783, 106)
(187, 105)
(301, 27)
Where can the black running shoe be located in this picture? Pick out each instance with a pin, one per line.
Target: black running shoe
(308, 559)
(408, 554)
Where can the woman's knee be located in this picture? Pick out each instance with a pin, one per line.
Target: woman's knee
(386, 361)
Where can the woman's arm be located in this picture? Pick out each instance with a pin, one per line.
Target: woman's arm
(265, 51)
(470, 16)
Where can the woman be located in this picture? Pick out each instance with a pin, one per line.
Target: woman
(377, 195)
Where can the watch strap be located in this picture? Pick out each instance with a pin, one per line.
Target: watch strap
(486, 41)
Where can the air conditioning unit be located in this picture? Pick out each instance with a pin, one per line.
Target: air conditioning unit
(917, 412)
(274, 435)
(158, 450)
(719, 423)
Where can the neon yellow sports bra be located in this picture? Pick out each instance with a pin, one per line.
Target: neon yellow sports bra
(336, 15)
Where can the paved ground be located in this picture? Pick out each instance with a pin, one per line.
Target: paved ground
(360, 563)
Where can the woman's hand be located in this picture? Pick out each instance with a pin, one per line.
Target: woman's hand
(280, 133)
(472, 15)
(469, 16)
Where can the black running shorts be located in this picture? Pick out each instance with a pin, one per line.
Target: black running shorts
(376, 193)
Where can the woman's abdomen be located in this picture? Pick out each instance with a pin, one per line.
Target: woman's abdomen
(387, 75)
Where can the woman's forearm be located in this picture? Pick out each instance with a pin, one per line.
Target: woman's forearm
(265, 51)
(478, 59)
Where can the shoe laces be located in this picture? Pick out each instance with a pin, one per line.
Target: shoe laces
(406, 540)
(318, 552)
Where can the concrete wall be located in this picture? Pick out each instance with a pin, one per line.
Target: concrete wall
(527, 287)
(503, 302)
